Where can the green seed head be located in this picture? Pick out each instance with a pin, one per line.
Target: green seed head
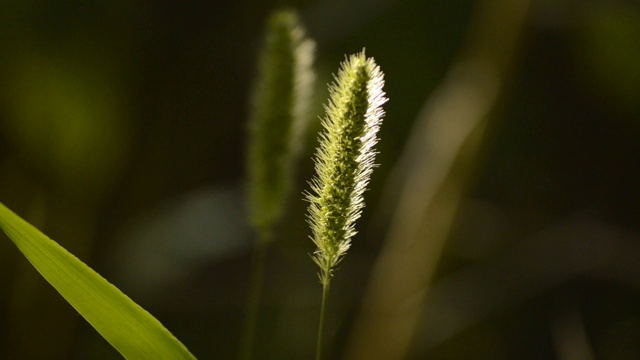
(279, 118)
(344, 159)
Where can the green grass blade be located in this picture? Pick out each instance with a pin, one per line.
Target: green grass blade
(134, 332)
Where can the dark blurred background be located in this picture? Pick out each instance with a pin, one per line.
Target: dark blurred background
(122, 136)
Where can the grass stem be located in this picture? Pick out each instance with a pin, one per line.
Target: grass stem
(325, 293)
(253, 302)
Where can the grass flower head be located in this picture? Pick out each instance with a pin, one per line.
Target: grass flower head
(344, 159)
(279, 117)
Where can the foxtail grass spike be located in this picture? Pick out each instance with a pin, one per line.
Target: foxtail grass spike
(344, 159)
(278, 121)
(279, 118)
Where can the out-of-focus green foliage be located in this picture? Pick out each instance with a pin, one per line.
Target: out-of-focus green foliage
(67, 119)
(610, 53)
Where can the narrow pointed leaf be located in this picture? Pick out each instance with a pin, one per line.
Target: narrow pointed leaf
(134, 332)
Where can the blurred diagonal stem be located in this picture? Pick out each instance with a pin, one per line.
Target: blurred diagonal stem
(429, 180)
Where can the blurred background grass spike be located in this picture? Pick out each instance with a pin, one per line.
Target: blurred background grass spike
(134, 332)
(278, 122)
(279, 119)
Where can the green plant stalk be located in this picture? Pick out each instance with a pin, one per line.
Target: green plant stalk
(253, 302)
(279, 119)
(344, 162)
(323, 307)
